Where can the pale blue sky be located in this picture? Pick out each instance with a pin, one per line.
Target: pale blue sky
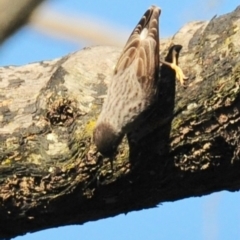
(213, 217)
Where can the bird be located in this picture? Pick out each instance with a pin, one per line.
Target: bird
(134, 84)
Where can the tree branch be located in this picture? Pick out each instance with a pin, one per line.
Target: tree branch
(51, 174)
(12, 18)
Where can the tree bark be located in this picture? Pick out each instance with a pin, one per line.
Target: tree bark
(51, 173)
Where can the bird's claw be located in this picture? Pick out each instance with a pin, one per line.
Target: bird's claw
(179, 73)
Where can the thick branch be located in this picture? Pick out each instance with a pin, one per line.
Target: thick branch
(51, 174)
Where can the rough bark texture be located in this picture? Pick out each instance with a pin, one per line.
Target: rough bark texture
(51, 174)
(14, 15)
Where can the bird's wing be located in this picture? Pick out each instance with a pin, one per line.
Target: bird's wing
(141, 51)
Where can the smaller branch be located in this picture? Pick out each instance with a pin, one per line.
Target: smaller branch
(77, 28)
(13, 17)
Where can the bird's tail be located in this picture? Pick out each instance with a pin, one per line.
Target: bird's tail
(142, 45)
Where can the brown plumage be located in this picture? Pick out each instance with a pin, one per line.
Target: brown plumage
(133, 87)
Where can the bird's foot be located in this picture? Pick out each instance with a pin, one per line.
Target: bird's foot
(179, 72)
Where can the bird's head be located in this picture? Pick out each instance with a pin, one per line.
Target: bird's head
(106, 139)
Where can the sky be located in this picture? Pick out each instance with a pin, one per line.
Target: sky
(212, 217)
